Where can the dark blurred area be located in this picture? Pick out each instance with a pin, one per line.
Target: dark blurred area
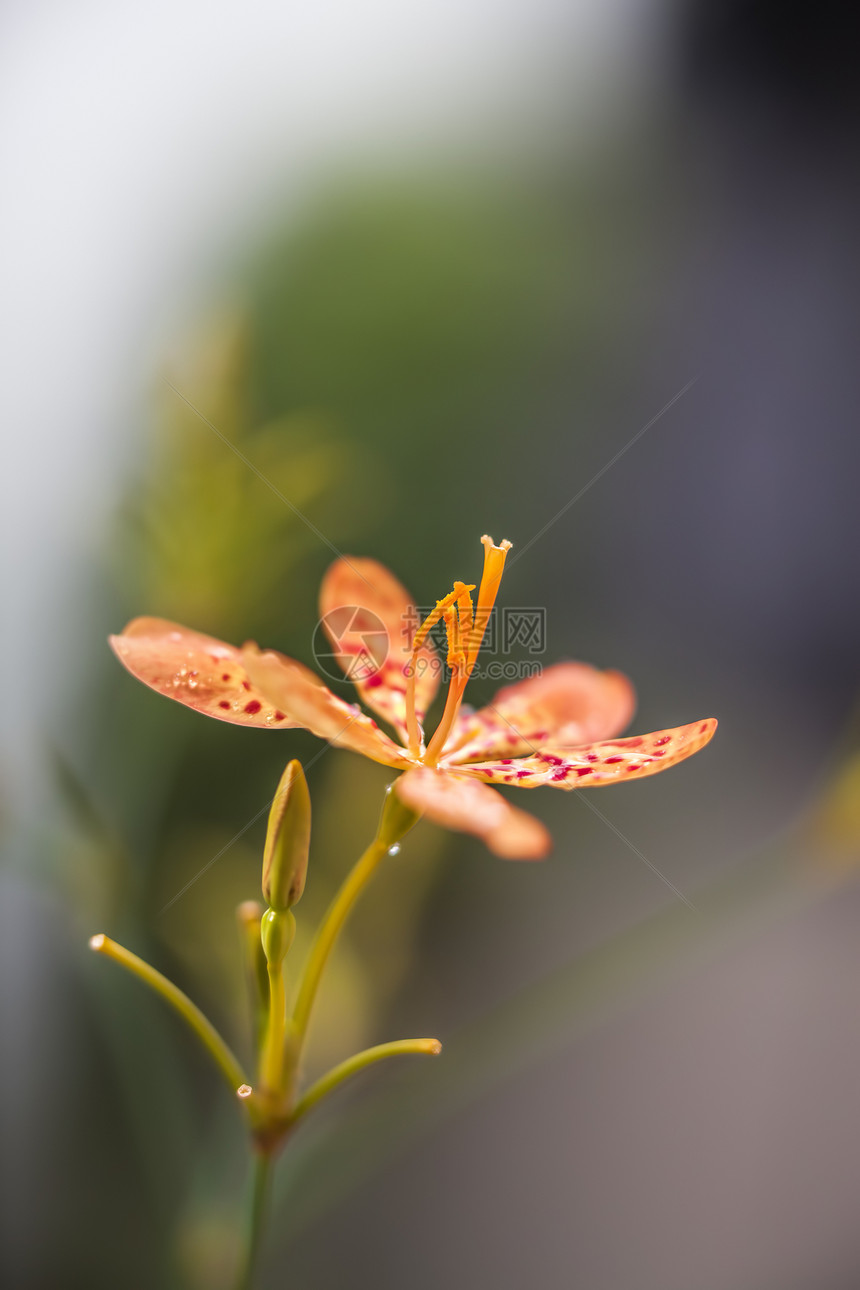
(616, 327)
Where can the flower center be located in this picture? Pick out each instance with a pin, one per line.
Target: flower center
(465, 627)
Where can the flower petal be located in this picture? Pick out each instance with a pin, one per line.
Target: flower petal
(370, 619)
(213, 678)
(565, 705)
(470, 807)
(609, 762)
(197, 670)
(311, 704)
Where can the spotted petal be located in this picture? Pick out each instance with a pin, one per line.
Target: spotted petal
(470, 807)
(370, 620)
(213, 678)
(197, 670)
(609, 762)
(311, 704)
(565, 705)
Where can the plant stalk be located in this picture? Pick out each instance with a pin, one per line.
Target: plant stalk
(337, 914)
(272, 1056)
(345, 1070)
(224, 1058)
(260, 1188)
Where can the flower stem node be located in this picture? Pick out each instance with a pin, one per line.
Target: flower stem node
(395, 821)
(277, 929)
(285, 858)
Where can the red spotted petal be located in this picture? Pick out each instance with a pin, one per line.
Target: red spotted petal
(311, 704)
(609, 762)
(470, 807)
(565, 705)
(370, 620)
(197, 670)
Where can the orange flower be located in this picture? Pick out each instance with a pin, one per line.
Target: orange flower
(558, 728)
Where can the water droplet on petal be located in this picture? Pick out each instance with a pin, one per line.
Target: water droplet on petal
(395, 850)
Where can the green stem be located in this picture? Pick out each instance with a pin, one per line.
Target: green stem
(395, 821)
(260, 1187)
(226, 1061)
(337, 914)
(272, 1056)
(330, 1081)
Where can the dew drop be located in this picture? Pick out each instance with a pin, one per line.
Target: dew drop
(395, 850)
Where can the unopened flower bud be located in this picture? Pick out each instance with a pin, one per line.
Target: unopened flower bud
(285, 858)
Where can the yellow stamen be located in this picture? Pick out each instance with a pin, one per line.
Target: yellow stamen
(432, 619)
(456, 657)
(442, 609)
(464, 610)
(452, 707)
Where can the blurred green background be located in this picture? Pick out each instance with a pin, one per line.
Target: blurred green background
(626, 358)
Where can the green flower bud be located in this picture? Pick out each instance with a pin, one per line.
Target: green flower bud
(277, 929)
(285, 858)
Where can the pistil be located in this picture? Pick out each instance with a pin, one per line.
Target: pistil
(494, 566)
